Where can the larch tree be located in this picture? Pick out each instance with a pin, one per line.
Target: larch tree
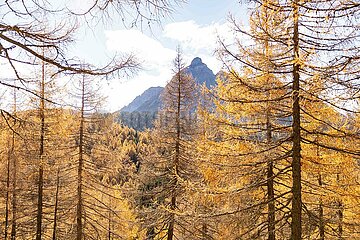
(25, 34)
(316, 58)
(169, 167)
(84, 142)
(102, 166)
(245, 140)
(41, 157)
(10, 150)
(24, 38)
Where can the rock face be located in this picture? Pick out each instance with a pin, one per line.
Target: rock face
(144, 107)
(148, 101)
(201, 73)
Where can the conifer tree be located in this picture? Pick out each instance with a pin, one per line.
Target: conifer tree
(169, 167)
(310, 64)
(246, 133)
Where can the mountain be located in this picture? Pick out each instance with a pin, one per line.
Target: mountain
(141, 112)
(148, 101)
(201, 73)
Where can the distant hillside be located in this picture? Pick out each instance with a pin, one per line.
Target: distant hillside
(141, 112)
(148, 101)
(201, 73)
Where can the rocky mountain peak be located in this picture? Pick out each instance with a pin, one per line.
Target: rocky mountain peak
(150, 100)
(196, 62)
(201, 73)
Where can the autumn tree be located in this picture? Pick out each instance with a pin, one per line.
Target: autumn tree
(167, 170)
(311, 67)
(30, 27)
(11, 168)
(244, 144)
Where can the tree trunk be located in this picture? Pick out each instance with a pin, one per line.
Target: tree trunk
(56, 203)
(270, 163)
(296, 138)
(41, 155)
(177, 155)
(109, 227)
(321, 214)
(271, 204)
(204, 230)
(79, 212)
(321, 207)
(7, 200)
(14, 178)
(172, 219)
(14, 195)
(270, 182)
(339, 213)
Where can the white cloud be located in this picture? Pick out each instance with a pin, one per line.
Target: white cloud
(196, 37)
(121, 93)
(195, 40)
(156, 62)
(150, 51)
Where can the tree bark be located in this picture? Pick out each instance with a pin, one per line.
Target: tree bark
(14, 196)
(14, 179)
(177, 151)
(7, 200)
(296, 138)
(339, 213)
(321, 213)
(271, 198)
(41, 155)
(150, 233)
(270, 163)
(79, 212)
(109, 226)
(56, 203)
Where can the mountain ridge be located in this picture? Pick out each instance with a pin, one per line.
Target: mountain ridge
(150, 99)
(142, 111)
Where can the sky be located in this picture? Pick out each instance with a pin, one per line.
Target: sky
(194, 26)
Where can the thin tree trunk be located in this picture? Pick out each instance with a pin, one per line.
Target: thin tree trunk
(7, 200)
(41, 155)
(296, 149)
(321, 207)
(321, 213)
(79, 213)
(109, 227)
(172, 219)
(270, 188)
(14, 196)
(270, 163)
(340, 213)
(204, 230)
(176, 157)
(14, 181)
(56, 203)
(150, 233)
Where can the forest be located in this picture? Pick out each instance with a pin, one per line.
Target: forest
(271, 152)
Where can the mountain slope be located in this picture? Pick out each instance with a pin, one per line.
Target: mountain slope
(201, 73)
(150, 100)
(141, 112)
